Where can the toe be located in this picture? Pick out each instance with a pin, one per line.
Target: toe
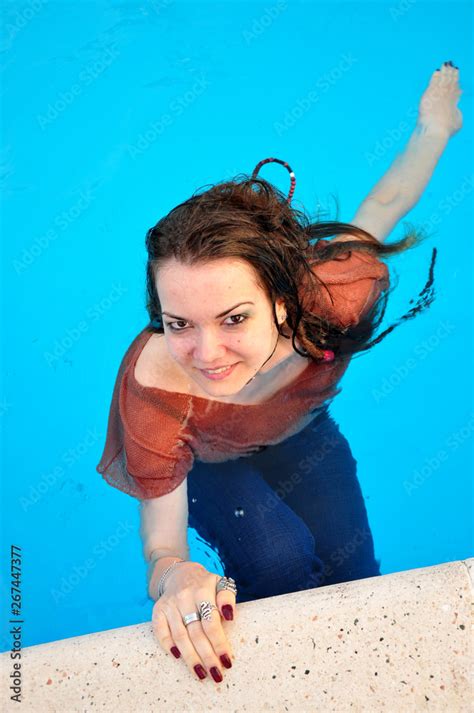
(454, 79)
(447, 74)
(451, 69)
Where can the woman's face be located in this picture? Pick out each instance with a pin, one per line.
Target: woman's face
(216, 315)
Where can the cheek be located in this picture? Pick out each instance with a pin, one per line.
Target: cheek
(247, 349)
(241, 343)
(176, 347)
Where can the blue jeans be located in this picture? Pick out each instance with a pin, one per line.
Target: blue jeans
(287, 518)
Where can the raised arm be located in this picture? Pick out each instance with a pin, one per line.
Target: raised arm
(404, 182)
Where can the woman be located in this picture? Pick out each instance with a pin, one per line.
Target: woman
(219, 418)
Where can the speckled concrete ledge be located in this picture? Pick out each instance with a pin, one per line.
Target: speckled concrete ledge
(400, 642)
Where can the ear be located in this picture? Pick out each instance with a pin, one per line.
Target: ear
(280, 310)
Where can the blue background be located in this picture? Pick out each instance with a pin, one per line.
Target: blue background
(113, 114)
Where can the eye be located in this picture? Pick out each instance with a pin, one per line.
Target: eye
(241, 317)
(176, 329)
(234, 316)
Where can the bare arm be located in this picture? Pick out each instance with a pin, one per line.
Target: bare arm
(164, 529)
(401, 187)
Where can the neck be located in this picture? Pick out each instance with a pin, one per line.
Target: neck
(265, 362)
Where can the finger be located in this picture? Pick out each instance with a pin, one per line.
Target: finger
(162, 632)
(207, 635)
(213, 629)
(169, 627)
(226, 601)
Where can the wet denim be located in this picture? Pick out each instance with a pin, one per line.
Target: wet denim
(287, 518)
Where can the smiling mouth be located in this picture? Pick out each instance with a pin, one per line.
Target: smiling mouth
(217, 369)
(219, 374)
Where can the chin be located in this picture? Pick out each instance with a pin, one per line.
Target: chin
(225, 388)
(224, 393)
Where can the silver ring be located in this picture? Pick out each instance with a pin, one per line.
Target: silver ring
(205, 610)
(226, 583)
(206, 607)
(189, 618)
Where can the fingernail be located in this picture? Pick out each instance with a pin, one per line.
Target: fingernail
(226, 661)
(176, 652)
(200, 671)
(216, 674)
(228, 612)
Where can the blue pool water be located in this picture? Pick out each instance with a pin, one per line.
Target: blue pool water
(112, 114)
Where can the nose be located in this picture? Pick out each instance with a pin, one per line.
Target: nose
(208, 349)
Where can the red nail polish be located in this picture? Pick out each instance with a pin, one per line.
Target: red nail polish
(228, 612)
(200, 671)
(216, 674)
(176, 652)
(226, 661)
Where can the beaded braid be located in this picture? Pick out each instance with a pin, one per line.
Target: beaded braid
(283, 163)
(324, 354)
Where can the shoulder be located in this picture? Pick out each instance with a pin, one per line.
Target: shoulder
(155, 368)
(152, 419)
(145, 364)
(351, 284)
(350, 265)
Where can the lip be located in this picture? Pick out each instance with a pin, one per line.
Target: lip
(221, 376)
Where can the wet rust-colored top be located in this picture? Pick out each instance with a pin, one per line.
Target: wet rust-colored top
(154, 435)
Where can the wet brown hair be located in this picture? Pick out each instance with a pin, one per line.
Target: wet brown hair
(250, 219)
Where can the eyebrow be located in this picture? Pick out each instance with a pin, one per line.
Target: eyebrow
(222, 314)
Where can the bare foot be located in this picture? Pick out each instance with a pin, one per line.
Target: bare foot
(438, 112)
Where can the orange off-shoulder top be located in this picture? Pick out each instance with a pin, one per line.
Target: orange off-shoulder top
(154, 435)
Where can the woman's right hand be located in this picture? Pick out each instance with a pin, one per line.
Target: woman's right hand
(201, 643)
